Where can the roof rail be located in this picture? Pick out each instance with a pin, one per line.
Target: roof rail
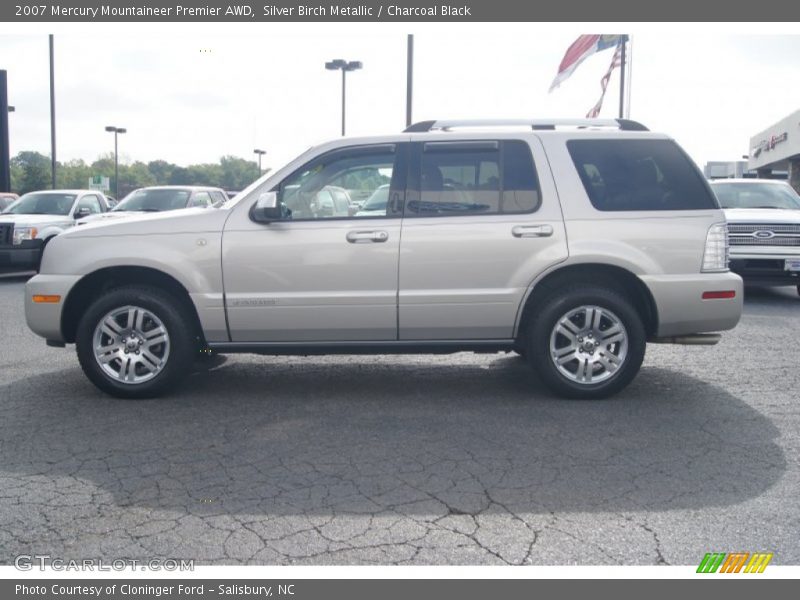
(535, 124)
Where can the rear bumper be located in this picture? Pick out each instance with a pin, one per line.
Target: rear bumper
(45, 319)
(680, 304)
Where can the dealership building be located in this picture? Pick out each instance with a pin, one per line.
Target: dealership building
(777, 148)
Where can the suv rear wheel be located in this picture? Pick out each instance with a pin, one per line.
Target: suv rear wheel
(135, 342)
(586, 341)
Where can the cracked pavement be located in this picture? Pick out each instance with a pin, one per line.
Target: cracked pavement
(459, 459)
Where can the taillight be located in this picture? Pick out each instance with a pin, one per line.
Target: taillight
(715, 255)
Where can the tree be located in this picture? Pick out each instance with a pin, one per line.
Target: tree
(237, 173)
(33, 171)
(134, 176)
(160, 170)
(73, 174)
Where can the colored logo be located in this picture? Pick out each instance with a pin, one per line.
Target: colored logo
(734, 562)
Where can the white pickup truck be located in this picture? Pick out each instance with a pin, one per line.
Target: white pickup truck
(29, 224)
(764, 229)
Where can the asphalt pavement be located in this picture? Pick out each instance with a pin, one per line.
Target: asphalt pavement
(456, 459)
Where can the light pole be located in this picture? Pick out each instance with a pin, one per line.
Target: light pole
(116, 131)
(345, 66)
(260, 153)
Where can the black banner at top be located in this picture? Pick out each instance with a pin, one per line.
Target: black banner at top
(396, 11)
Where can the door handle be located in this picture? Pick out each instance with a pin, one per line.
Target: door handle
(361, 237)
(527, 231)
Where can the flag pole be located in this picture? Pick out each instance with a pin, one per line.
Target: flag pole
(629, 82)
(622, 81)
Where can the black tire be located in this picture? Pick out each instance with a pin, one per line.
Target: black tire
(171, 313)
(557, 304)
(798, 289)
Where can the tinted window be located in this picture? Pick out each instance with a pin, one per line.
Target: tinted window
(639, 175)
(466, 178)
(330, 186)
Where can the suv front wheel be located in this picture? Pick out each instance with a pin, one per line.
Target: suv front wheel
(135, 342)
(586, 342)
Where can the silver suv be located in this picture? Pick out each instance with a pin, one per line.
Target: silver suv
(571, 242)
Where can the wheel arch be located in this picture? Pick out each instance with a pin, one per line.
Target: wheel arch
(92, 285)
(605, 275)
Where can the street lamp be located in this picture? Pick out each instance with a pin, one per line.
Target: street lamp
(116, 131)
(260, 154)
(345, 66)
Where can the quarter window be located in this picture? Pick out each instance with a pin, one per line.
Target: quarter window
(639, 175)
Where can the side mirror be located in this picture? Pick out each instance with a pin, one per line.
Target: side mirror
(82, 212)
(266, 208)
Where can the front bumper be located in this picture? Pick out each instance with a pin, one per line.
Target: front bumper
(45, 319)
(680, 304)
(25, 257)
(765, 270)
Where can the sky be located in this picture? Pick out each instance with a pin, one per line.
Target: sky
(190, 94)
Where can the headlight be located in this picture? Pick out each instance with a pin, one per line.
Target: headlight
(24, 233)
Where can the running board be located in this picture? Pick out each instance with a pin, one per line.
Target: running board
(364, 347)
(693, 339)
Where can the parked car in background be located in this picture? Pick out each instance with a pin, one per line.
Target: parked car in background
(764, 229)
(6, 200)
(162, 198)
(29, 224)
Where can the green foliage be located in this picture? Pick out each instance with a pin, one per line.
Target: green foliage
(30, 171)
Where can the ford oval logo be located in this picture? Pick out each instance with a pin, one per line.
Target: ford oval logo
(764, 234)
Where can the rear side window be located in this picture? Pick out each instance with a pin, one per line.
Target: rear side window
(639, 175)
(476, 178)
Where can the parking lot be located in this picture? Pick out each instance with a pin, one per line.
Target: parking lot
(461, 459)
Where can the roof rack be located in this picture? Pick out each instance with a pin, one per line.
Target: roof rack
(535, 124)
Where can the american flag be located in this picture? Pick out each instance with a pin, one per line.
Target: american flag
(615, 62)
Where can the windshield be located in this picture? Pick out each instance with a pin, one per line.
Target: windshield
(153, 200)
(38, 203)
(756, 195)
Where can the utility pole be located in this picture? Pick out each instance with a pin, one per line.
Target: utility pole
(622, 81)
(52, 115)
(409, 77)
(5, 152)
